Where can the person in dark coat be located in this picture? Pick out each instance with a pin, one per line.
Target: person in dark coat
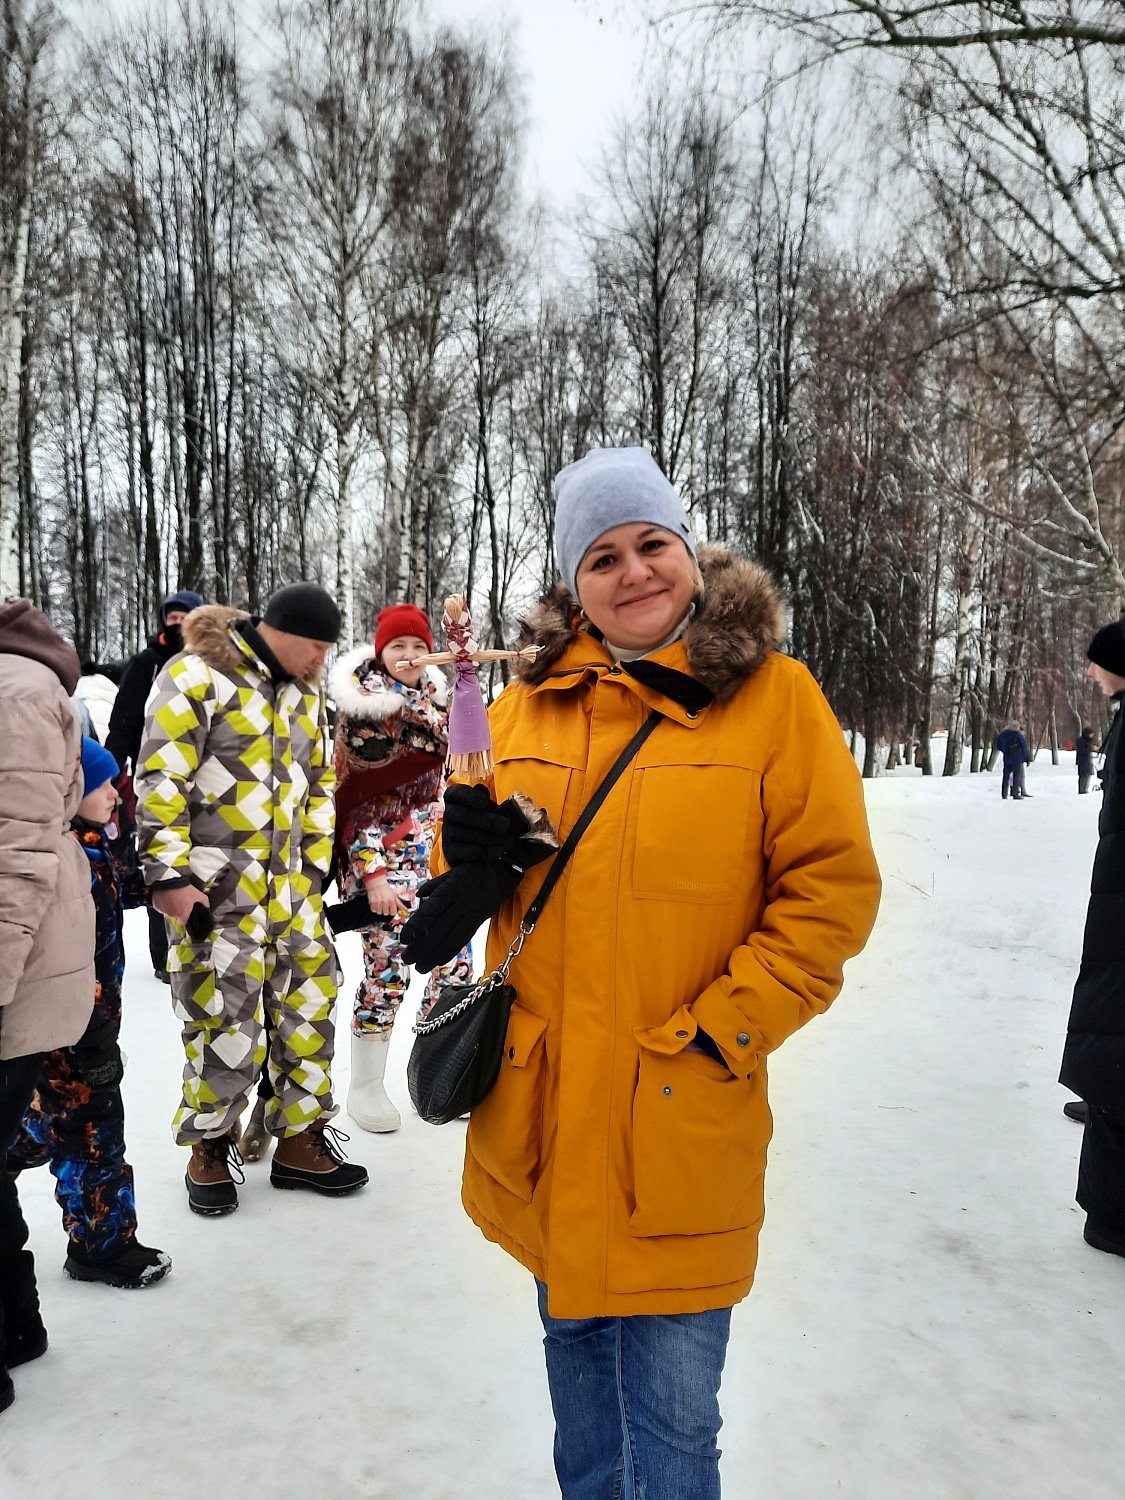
(126, 727)
(1084, 758)
(1093, 1065)
(1013, 747)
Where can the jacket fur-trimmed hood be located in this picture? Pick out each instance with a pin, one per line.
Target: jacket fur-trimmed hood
(740, 621)
(350, 698)
(206, 633)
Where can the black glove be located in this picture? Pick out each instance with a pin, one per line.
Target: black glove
(707, 1043)
(475, 830)
(98, 1057)
(200, 923)
(353, 915)
(452, 908)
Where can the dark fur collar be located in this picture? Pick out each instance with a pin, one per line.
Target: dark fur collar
(740, 622)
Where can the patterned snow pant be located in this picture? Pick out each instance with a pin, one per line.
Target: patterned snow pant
(385, 972)
(222, 991)
(79, 1132)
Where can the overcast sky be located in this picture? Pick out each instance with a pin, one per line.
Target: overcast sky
(580, 65)
(579, 62)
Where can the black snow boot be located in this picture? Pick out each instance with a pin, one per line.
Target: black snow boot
(25, 1343)
(1077, 1109)
(218, 1166)
(1112, 1241)
(315, 1161)
(133, 1266)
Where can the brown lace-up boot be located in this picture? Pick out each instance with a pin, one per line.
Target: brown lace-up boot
(211, 1174)
(314, 1160)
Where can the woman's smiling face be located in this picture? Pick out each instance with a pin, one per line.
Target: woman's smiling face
(636, 584)
(404, 648)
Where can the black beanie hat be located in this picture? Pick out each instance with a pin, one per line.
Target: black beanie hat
(304, 609)
(1107, 649)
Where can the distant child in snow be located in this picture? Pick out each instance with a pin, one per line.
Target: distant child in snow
(1084, 756)
(1013, 747)
(76, 1120)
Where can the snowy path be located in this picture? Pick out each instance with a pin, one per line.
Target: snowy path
(927, 1321)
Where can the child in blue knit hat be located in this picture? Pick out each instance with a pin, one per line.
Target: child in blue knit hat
(76, 1121)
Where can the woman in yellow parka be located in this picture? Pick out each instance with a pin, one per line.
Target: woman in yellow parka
(706, 915)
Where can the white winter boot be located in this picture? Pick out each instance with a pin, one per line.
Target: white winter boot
(368, 1104)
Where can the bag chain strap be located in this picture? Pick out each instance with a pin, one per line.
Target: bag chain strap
(490, 982)
(499, 975)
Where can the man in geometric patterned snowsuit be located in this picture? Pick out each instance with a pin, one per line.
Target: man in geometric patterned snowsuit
(235, 821)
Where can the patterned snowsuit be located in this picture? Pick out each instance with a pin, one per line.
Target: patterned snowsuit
(391, 743)
(234, 794)
(76, 1127)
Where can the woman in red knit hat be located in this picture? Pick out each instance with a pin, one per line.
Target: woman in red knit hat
(391, 743)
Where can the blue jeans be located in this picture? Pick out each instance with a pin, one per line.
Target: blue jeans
(636, 1403)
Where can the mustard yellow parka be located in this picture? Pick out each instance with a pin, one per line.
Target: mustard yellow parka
(722, 885)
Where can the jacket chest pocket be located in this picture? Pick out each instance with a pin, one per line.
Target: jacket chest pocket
(546, 767)
(693, 823)
(506, 1128)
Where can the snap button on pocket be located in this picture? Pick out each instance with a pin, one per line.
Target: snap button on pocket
(667, 1090)
(692, 714)
(742, 1039)
(681, 1035)
(511, 1052)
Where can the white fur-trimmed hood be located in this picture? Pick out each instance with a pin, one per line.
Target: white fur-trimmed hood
(350, 698)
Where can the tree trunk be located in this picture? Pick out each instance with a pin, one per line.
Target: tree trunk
(28, 538)
(959, 703)
(926, 718)
(13, 277)
(345, 546)
(976, 723)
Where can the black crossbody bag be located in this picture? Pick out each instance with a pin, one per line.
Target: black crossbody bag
(458, 1049)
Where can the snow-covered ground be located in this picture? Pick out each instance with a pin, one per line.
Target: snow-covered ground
(927, 1321)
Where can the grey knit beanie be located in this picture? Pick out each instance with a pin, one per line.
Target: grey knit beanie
(611, 487)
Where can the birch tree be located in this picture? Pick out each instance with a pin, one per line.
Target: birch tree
(661, 250)
(452, 198)
(336, 101)
(25, 29)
